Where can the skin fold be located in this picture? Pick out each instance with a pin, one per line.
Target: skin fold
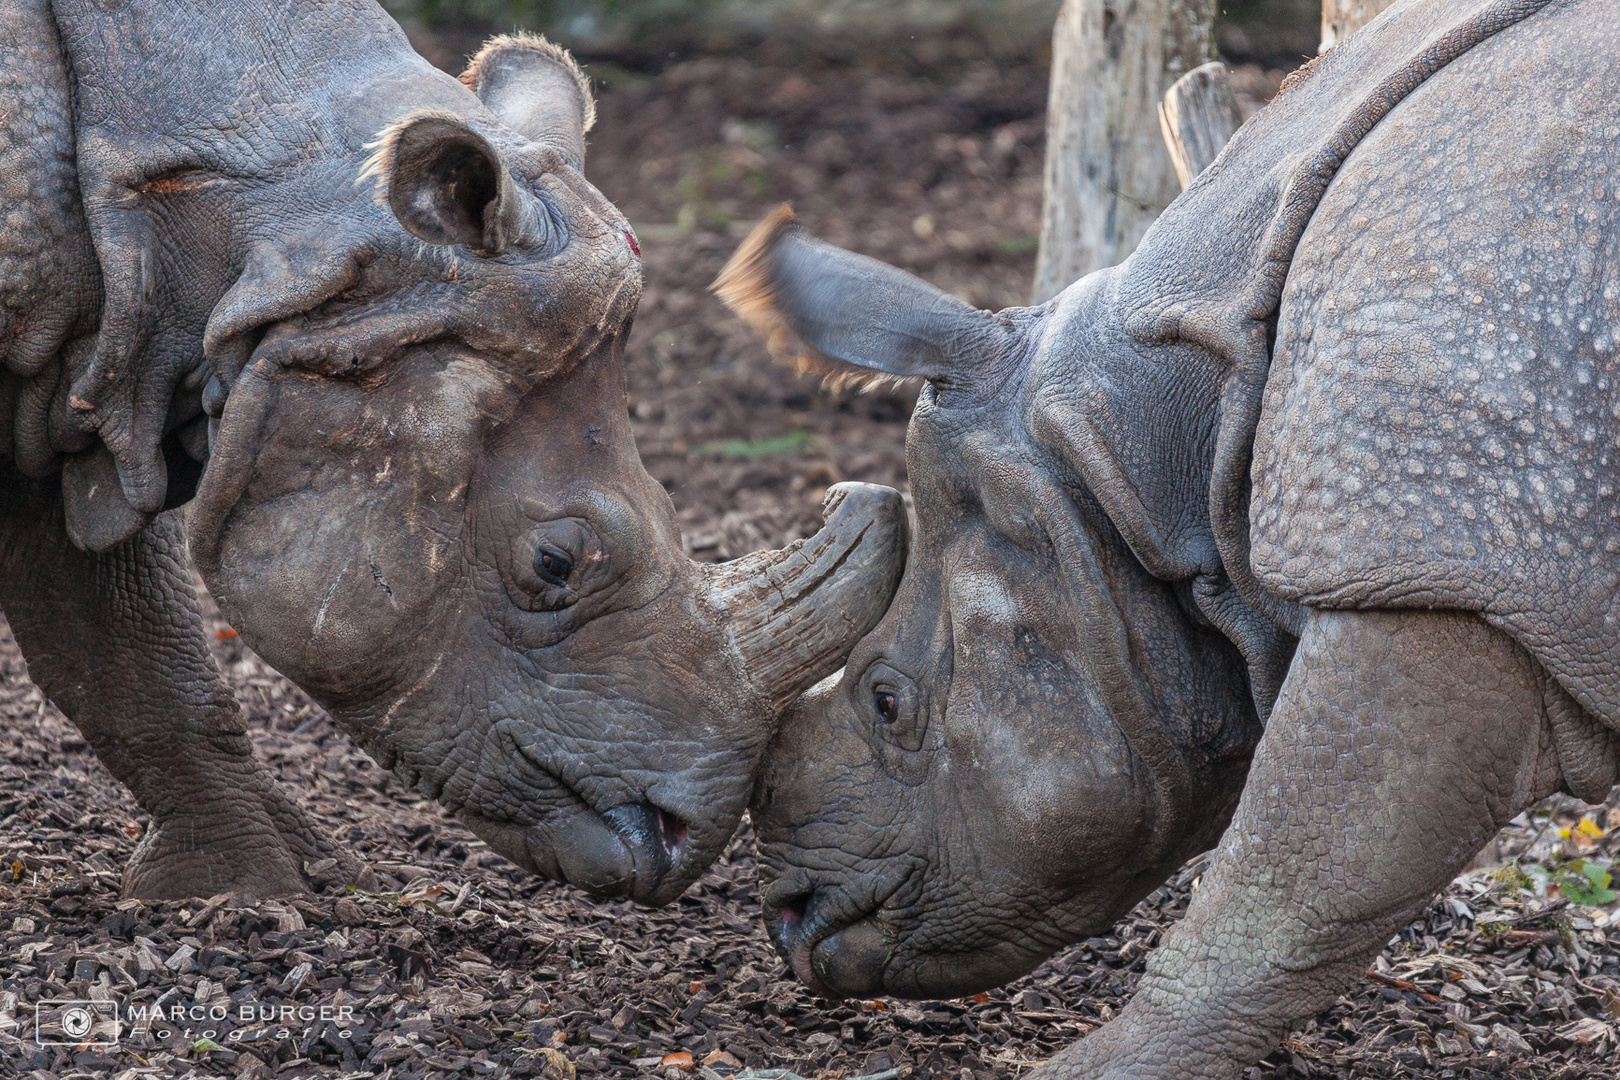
(1289, 537)
(365, 323)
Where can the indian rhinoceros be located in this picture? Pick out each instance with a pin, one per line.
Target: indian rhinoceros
(1296, 534)
(368, 322)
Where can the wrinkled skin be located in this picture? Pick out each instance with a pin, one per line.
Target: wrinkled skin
(1329, 454)
(368, 322)
(997, 772)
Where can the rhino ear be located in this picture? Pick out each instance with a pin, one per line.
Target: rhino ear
(446, 183)
(855, 319)
(536, 89)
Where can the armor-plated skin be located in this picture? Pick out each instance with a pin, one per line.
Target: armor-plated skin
(368, 322)
(1330, 454)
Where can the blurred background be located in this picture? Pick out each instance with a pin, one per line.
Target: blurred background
(911, 130)
(1271, 30)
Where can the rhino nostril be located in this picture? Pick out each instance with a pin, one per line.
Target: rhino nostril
(790, 917)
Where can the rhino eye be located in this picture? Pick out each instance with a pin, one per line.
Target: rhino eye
(898, 726)
(553, 566)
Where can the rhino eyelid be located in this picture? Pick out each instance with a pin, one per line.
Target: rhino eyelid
(553, 566)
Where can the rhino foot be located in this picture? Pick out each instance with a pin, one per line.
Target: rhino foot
(255, 845)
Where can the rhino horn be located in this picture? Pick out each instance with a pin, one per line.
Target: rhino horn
(792, 615)
(853, 319)
(536, 89)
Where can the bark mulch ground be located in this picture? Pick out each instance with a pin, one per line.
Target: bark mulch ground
(462, 966)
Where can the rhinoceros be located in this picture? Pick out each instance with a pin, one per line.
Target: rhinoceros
(1295, 535)
(367, 320)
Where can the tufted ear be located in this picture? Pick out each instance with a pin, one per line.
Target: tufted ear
(855, 319)
(446, 183)
(536, 89)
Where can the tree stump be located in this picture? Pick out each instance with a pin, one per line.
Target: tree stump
(1198, 117)
(1108, 173)
(1341, 18)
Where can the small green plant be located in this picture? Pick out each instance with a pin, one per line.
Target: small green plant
(1513, 876)
(1587, 883)
(1019, 245)
(788, 442)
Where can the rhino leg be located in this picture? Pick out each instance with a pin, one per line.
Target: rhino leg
(1400, 744)
(117, 642)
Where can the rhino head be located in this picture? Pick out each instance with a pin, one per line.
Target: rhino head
(1047, 721)
(423, 501)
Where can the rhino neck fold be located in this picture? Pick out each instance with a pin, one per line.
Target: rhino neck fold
(1209, 276)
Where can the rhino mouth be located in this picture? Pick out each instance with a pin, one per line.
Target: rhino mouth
(638, 850)
(656, 841)
(837, 947)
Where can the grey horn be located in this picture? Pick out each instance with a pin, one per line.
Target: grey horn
(792, 615)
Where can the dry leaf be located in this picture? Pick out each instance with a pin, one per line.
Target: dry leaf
(680, 1060)
(554, 1065)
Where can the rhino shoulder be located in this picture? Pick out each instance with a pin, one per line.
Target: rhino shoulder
(1440, 419)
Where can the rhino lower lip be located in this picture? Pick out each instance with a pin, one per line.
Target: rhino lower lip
(798, 942)
(835, 944)
(788, 920)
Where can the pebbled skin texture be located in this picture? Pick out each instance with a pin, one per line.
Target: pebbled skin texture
(1401, 743)
(151, 704)
(368, 328)
(1071, 681)
(1440, 421)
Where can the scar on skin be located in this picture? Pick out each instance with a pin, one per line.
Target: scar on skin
(326, 601)
(376, 574)
(185, 180)
(388, 717)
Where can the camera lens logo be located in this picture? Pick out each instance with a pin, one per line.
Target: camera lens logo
(76, 1023)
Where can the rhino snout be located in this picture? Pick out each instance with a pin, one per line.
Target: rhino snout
(632, 850)
(836, 944)
(654, 838)
(846, 963)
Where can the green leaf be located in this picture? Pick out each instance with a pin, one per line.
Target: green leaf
(203, 1045)
(1585, 883)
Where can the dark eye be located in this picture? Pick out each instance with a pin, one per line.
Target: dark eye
(553, 566)
(884, 703)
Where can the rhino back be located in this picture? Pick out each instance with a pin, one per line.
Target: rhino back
(1440, 421)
